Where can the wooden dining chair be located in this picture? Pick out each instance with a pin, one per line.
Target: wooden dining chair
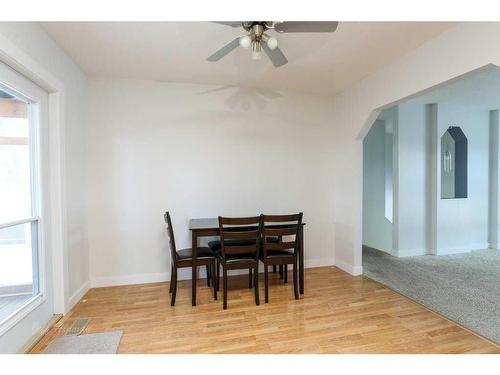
(281, 253)
(239, 249)
(184, 258)
(215, 246)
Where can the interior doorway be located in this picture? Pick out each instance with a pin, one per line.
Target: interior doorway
(434, 159)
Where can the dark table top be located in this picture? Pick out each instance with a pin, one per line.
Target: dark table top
(208, 223)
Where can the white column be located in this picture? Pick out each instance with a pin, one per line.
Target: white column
(432, 176)
(494, 225)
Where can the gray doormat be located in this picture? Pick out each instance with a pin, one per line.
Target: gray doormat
(463, 287)
(94, 343)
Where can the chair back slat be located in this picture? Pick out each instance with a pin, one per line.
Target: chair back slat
(171, 237)
(240, 249)
(286, 231)
(242, 235)
(246, 229)
(252, 220)
(282, 218)
(281, 226)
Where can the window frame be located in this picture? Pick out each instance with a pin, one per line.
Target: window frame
(25, 90)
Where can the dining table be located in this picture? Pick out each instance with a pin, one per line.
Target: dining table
(209, 227)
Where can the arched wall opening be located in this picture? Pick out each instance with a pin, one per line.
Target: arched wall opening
(404, 211)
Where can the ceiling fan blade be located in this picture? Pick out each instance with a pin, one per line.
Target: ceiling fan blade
(276, 56)
(306, 27)
(230, 23)
(224, 50)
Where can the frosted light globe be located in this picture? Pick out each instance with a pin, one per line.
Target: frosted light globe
(245, 41)
(272, 43)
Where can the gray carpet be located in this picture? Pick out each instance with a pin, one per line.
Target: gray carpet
(463, 287)
(95, 343)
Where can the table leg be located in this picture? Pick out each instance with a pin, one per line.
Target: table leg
(301, 259)
(194, 247)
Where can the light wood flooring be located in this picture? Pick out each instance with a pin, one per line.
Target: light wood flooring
(338, 313)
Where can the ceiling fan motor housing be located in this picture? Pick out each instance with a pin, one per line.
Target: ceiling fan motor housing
(250, 25)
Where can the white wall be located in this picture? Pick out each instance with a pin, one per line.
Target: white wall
(377, 229)
(462, 49)
(31, 39)
(200, 153)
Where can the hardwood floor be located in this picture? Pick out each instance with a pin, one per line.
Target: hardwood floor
(339, 313)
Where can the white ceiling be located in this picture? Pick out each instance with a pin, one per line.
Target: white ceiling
(323, 63)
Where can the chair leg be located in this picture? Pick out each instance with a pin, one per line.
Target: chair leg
(217, 273)
(295, 283)
(171, 278)
(285, 271)
(256, 285)
(194, 276)
(224, 286)
(174, 287)
(274, 269)
(214, 282)
(250, 278)
(266, 284)
(281, 271)
(208, 274)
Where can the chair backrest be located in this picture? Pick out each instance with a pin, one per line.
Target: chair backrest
(171, 238)
(245, 232)
(281, 226)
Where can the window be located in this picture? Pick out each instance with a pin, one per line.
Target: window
(19, 202)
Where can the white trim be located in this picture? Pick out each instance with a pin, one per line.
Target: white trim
(412, 253)
(58, 203)
(184, 274)
(462, 250)
(13, 56)
(350, 269)
(17, 59)
(21, 313)
(321, 262)
(143, 278)
(33, 340)
(77, 296)
(19, 222)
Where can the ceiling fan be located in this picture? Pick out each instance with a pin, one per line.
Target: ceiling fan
(258, 38)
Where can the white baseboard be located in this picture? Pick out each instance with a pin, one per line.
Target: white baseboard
(462, 250)
(33, 340)
(184, 274)
(77, 296)
(412, 253)
(349, 268)
(322, 262)
(142, 278)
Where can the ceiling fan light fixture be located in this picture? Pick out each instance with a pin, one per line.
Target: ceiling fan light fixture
(272, 43)
(256, 51)
(245, 41)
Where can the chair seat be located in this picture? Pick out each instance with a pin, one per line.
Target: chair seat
(279, 253)
(232, 258)
(240, 258)
(202, 252)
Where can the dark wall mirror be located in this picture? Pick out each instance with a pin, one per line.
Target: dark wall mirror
(453, 164)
